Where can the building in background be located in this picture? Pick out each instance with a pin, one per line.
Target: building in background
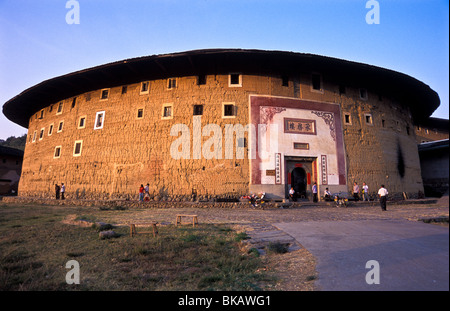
(434, 161)
(10, 169)
(431, 129)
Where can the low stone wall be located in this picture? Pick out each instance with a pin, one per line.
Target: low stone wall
(125, 204)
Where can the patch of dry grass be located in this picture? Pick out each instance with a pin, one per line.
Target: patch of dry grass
(35, 246)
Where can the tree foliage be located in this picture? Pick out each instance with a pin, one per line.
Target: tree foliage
(14, 142)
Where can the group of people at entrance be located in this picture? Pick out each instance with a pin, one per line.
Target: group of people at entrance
(365, 192)
(60, 191)
(144, 194)
(293, 195)
(382, 194)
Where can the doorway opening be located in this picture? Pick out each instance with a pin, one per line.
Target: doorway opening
(301, 172)
(299, 182)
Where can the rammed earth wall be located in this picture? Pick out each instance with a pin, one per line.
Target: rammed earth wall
(128, 150)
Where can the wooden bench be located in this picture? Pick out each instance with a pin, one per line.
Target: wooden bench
(133, 231)
(194, 219)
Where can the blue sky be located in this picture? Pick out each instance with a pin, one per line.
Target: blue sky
(37, 44)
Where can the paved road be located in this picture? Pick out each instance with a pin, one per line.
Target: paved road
(412, 256)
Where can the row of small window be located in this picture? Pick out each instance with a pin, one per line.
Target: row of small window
(59, 109)
(76, 150)
(369, 121)
(99, 121)
(234, 80)
(367, 118)
(317, 85)
(228, 111)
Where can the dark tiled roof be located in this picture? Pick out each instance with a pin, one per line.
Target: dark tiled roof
(420, 97)
(10, 151)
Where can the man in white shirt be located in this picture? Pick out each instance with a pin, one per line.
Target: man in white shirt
(365, 192)
(63, 191)
(382, 193)
(314, 191)
(327, 195)
(292, 195)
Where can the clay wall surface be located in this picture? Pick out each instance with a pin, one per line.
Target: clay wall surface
(128, 151)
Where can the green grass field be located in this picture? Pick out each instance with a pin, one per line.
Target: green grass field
(35, 247)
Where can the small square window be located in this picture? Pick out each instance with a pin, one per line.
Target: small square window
(124, 89)
(34, 136)
(347, 118)
(41, 116)
(368, 119)
(167, 111)
(50, 129)
(60, 126)
(363, 94)
(77, 148)
(50, 108)
(104, 94)
(60, 108)
(57, 152)
(235, 80)
(74, 101)
(316, 82)
(99, 120)
(140, 113)
(383, 123)
(285, 80)
(228, 110)
(144, 87)
(201, 80)
(242, 142)
(41, 133)
(82, 122)
(198, 110)
(171, 83)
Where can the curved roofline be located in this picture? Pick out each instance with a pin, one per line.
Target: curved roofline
(421, 98)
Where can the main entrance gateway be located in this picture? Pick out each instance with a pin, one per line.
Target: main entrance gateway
(297, 142)
(300, 173)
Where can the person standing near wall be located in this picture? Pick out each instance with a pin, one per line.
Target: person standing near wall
(141, 193)
(382, 193)
(356, 191)
(63, 190)
(147, 192)
(365, 192)
(314, 191)
(292, 195)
